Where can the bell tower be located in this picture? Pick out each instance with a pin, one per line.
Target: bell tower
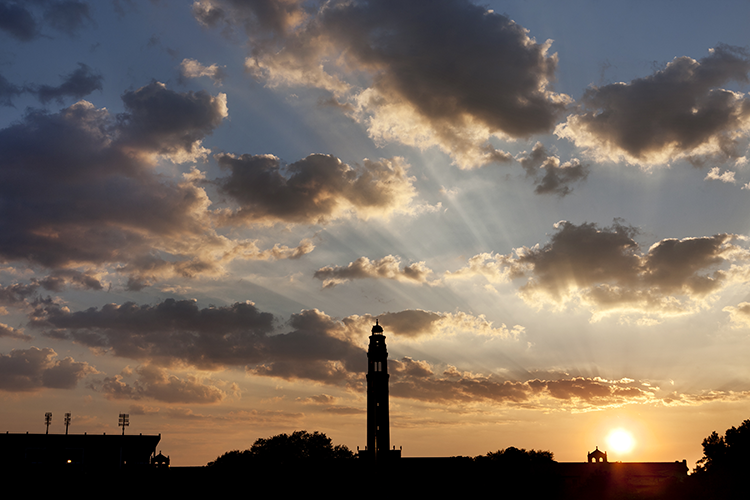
(378, 425)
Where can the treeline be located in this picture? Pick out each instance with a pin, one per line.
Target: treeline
(296, 462)
(284, 449)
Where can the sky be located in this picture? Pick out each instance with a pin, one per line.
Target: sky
(205, 206)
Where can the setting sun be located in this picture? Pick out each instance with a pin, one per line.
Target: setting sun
(621, 441)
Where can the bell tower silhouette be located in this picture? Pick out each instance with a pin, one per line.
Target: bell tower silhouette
(378, 425)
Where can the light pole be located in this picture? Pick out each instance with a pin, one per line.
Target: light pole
(124, 421)
(67, 423)
(48, 420)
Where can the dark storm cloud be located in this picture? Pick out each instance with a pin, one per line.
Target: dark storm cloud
(78, 186)
(586, 257)
(21, 20)
(314, 189)
(156, 383)
(583, 256)
(174, 332)
(169, 122)
(25, 295)
(312, 351)
(388, 267)
(17, 293)
(78, 84)
(551, 177)
(446, 73)
(606, 268)
(68, 16)
(557, 178)
(59, 280)
(678, 111)
(8, 91)
(25, 370)
(171, 331)
(17, 20)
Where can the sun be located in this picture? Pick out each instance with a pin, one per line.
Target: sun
(620, 441)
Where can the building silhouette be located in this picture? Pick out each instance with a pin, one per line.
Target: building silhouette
(378, 418)
(597, 456)
(76, 452)
(646, 478)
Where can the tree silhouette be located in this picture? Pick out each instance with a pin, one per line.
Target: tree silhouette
(726, 454)
(286, 448)
(722, 472)
(530, 473)
(513, 456)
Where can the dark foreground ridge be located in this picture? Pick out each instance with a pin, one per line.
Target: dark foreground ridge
(439, 477)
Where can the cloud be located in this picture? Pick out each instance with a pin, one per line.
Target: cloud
(715, 175)
(21, 19)
(58, 280)
(8, 91)
(17, 21)
(495, 268)
(13, 333)
(170, 123)
(170, 332)
(179, 333)
(78, 84)
(551, 177)
(249, 250)
(313, 345)
(605, 269)
(67, 16)
(263, 16)
(26, 370)
(312, 351)
(190, 68)
(414, 324)
(677, 112)
(319, 399)
(80, 189)
(710, 396)
(388, 267)
(17, 294)
(313, 190)
(418, 380)
(740, 315)
(400, 67)
(156, 383)
(316, 347)
(144, 270)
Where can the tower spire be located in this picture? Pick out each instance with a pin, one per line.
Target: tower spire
(378, 425)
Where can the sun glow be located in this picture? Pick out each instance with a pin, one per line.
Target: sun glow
(621, 441)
